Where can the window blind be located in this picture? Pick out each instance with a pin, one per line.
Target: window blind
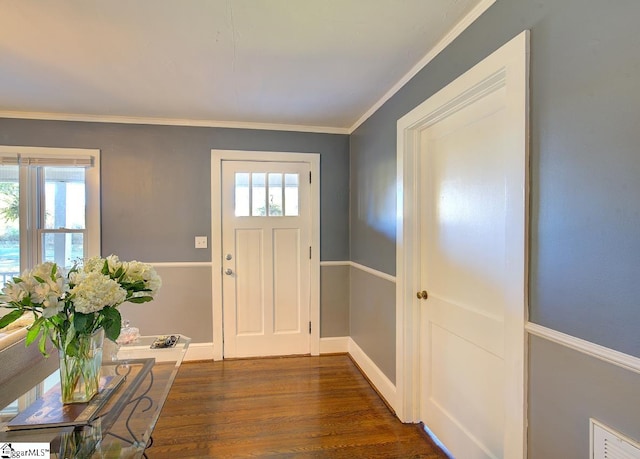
(20, 159)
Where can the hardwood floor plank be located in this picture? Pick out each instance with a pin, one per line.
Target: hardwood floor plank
(293, 407)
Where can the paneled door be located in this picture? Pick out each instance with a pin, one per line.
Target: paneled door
(266, 251)
(468, 145)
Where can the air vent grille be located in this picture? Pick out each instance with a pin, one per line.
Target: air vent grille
(606, 443)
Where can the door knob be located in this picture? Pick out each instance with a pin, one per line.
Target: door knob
(422, 295)
(228, 256)
(228, 271)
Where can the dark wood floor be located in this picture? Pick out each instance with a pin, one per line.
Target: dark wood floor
(285, 408)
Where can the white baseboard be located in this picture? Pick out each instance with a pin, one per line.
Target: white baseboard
(199, 351)
(379, 380)
(334, 345)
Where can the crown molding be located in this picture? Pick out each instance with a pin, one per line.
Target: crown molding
(170, 122)
(441, 45)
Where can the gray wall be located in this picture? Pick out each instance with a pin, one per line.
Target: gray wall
(585, 180)
(156, 180)
(566, 389)
(585, 161)
(156, 196)
(334, 301)
(372, 319)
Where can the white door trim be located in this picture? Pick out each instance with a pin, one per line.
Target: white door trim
(217, 156)
(506, 67)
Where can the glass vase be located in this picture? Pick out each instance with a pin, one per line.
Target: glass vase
(80, 374)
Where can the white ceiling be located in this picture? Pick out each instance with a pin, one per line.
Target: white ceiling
(319, 64)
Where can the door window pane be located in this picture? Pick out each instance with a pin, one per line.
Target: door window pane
(242, 194)
(261, 194)
(258, 194)
(275, 195)
(291, 195)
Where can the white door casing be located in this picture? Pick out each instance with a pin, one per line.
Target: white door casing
(273, 280)
(462, 169)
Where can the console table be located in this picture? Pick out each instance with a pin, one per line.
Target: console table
(122, 426)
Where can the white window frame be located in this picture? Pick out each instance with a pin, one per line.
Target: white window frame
(29, 234)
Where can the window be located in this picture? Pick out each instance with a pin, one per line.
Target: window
(261, 194)
(49, 207)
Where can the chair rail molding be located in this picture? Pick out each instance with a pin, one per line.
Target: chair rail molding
(620, 359)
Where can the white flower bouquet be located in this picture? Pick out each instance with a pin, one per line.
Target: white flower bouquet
(73, 310)
(80, 303)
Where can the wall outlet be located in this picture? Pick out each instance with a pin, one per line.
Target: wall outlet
(201, 242)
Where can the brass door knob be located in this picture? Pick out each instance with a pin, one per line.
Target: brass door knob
(422, 295)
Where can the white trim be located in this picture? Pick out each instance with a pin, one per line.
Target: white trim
(373, 272)
(437, 49)
(383, 385)
(335, 263)
(48, 151)
(199, 351)
(333, 345)
(217, 156)
(216, 254)
(510, 63)
(620, 359)
(181, 264)
(171, 122)
(364, 268)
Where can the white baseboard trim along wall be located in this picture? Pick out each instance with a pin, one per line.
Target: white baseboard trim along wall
(371, 371)
(334, 345)
(199, 351)
(380, 382)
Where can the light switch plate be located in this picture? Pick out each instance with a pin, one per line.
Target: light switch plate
(201, 242)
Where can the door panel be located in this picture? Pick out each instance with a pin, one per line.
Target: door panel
(266, 235)
(249, 289)
(464, 205)
(286, 270)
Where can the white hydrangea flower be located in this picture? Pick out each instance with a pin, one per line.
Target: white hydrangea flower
(137, 271)
(93, 264)
(93, 291)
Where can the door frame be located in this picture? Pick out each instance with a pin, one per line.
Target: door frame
(507, 67)
(217, 157)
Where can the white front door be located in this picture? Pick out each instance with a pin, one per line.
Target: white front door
(266, 258)
(470, 152)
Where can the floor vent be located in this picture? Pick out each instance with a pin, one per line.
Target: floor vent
(606, 443)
